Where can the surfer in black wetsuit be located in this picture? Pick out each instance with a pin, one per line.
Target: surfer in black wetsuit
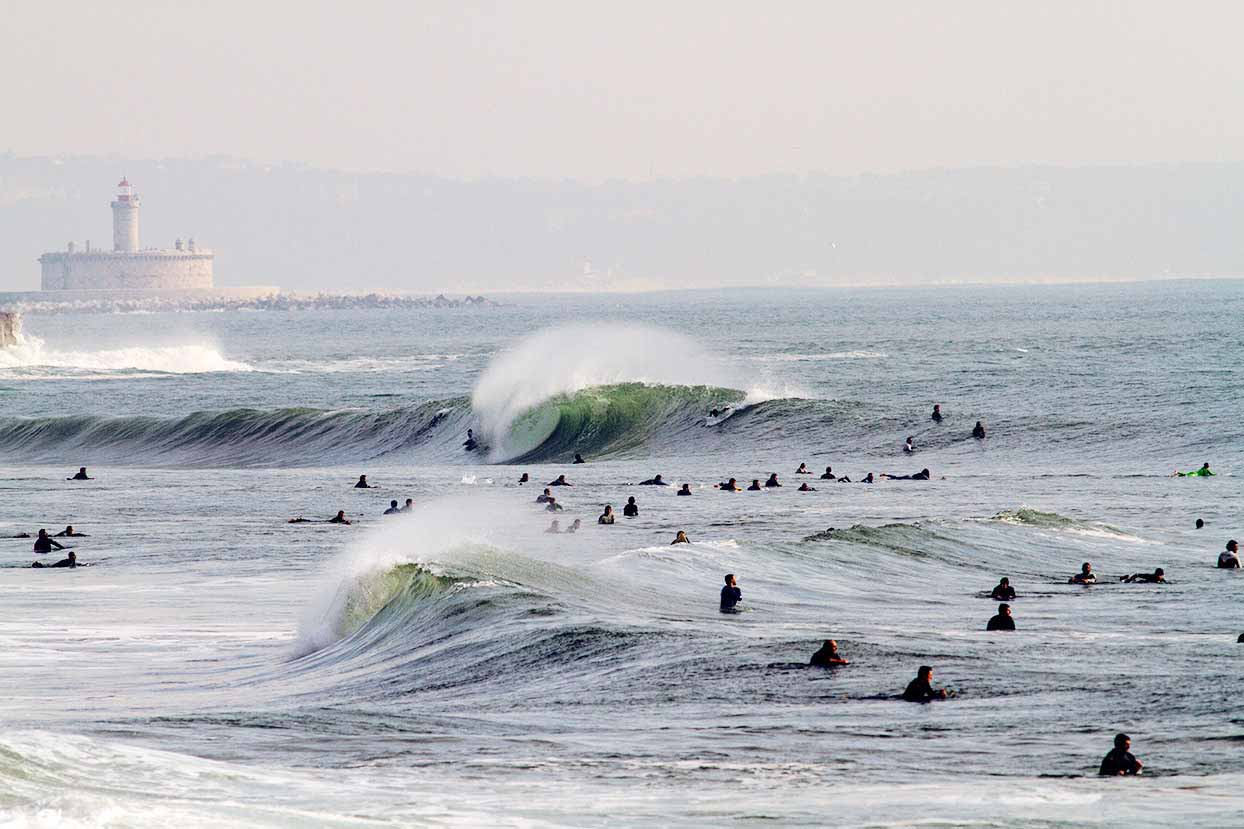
(560, 481)
(578, 458)
(551, 505)
(867, 479)
(631, 510)
(805, 488)
(606, 517)
(45, 543)
(69, 532)
(921, 689)
(655, 480)
(1229, 559)
(731, 595)
(827, 656)
(755, 487)
(922, 475)
(1085, 576)
(1158, 576)
(72, 561)
(362, 484)
(731, 485)
(773, 481)
(1120, 761)
(1003, 620)
(543, 497)
(681, 538)
(686, 490)
(1003, 592)
(524, 478)
(81, 476)
(1200, 523)
(978, 431)
(339, 518)
(470, 443)
(937, 413)
(829, 474)
(393, 508)
(803, 470)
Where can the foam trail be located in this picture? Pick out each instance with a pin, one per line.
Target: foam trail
(570, 358)
(30, 352)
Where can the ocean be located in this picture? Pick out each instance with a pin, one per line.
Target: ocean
(458, 665)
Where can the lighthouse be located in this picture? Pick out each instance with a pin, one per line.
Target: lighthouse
(125, 219)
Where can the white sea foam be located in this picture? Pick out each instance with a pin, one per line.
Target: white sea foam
(31, 356)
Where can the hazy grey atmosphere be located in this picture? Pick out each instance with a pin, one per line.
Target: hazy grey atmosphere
(437, 146)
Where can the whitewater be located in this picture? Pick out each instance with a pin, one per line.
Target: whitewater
(458, 665)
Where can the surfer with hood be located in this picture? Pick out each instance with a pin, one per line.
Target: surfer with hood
(81, 475)
(362, 484)
(560, 480)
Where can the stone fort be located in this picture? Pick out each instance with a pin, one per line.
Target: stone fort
(128, 266)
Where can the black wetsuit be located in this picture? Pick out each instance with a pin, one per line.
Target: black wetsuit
(558, 482)
(542, 498)
(683, 492)
(1119, 761)
(1001, 622)
(81, 476)
(918, 476)
(978, 432)
(828, 476)
(653, 482)
(772, 482)
(730, 597)
(1003, 594)
(919, 690)
(937, 417)
(823, 658)
(605, 519)
(392, 510)
(45, 545)
(362, 485)
(631, 511)
(64, 562)
(754, 488)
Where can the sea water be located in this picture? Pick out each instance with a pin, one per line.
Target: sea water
(458, 665)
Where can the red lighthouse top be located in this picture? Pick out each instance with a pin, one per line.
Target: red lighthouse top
(124, 182)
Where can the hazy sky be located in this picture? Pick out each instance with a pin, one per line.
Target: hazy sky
(628, 90)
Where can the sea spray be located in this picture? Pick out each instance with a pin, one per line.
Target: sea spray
(567, 359)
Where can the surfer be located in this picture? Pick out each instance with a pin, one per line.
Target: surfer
(867, 479)
(773, 481)
(574, 528)
(631, 510)
(937, 413)
(1085, 576)
(339, 518)
(81, 476)
(908, 447)
(805, 488)
(686, 490)
(1003, 620)
(1120, 761)
(978, 431)
(72, 561)
(606, 517)
(921, 689)
(755, 487)
(731, 485)
(1229, 559)
(1203, 472)
(45, 543)
(393, 509)
(731, 595)
(551, 505)
(803, 470)
(1003, 592)
(827, 656)
(681, 538)
(922, 475)
(655, 480)
(844, 480)
(362, 484)
(1158, 576)
(543, 497)
(470, 444)
(829, 474)
(69, 532)
(555, 527)
(408, 506)
(560, 481)
(578, 458)
(524, 478)
(1200, 523)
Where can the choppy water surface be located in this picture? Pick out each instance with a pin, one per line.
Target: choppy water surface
(458, 665)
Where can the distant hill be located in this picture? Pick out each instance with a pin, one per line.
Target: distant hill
(308, 229)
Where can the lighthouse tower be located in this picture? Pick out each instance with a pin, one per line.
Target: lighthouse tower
(125, 219)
